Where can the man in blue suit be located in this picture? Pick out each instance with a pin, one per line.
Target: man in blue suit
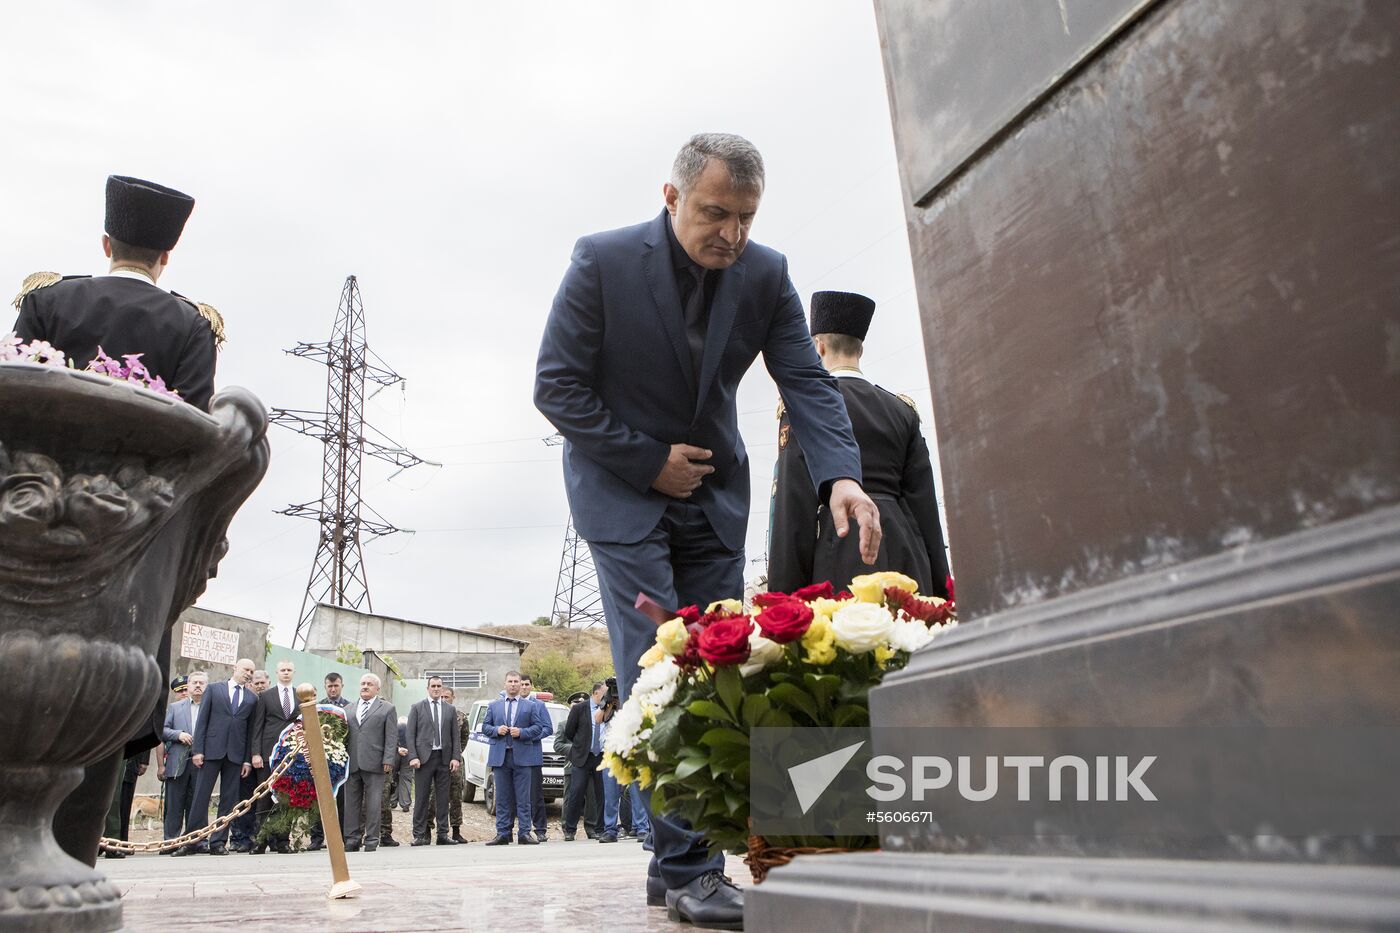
(515, 726)
(219, 752)
(649, 335)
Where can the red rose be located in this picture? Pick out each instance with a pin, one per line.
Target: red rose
(726, 642)
(823, 590)
(764, 600)
(952, 593)
(787, 621)
(689, 615)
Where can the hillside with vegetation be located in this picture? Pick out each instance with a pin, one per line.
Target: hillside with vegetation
(562, 660)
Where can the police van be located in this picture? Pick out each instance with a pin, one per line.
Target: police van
(478, 747)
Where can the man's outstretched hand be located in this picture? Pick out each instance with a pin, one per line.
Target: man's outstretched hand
(849, 501)
(683, 471)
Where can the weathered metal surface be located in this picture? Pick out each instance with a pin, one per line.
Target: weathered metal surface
(1163, 316)
(953, 88)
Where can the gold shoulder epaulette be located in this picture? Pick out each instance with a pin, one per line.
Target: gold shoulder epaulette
(33, 283)
(216, 323)
(908, 401)
(781, 408)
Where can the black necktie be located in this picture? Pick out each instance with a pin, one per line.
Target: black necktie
(695, 320)
(237, 698)
(437, 719)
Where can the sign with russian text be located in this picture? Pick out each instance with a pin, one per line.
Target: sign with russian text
(207, 643)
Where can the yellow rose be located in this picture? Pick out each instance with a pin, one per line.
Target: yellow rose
(870, 588)
(672, 637)
(654, 655)
(733, 605)
(820, 641)
(644, 777)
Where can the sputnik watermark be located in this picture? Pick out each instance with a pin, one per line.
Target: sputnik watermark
(1113, 778)
(1235, 782)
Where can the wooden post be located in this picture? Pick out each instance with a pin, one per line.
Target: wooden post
(341, 885)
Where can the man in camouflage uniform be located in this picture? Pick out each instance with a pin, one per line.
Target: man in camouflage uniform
(459, 777)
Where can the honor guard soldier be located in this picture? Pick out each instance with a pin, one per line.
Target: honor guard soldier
(125, 311)
(804, 547)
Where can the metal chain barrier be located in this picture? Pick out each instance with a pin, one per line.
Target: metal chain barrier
(200, 835)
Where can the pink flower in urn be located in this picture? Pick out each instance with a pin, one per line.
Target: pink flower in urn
(9, 347)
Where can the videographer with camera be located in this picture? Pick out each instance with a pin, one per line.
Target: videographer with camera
(584, 731)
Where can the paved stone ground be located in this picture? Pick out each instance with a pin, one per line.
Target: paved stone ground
(559, 887)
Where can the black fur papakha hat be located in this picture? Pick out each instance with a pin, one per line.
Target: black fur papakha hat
(145, 214)
(841, 313)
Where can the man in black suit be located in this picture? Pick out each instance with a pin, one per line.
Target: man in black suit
(434, 748)
(804, 547)
(125, 311)
(584, 732)
(276, 708)
(220, 752)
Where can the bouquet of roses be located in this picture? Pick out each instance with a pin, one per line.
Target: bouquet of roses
(128, 369)
(294, 792)
(807, 658)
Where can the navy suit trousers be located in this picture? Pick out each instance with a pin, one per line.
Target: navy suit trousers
(513, 803)
(229, 775)
(681, 562)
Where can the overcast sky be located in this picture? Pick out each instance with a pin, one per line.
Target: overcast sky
(447, 154)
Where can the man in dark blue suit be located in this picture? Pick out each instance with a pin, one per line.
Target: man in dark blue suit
(220, 753)
(649, 335)
(515, 724)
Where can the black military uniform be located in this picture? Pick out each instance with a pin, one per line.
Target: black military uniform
(803, 546)
(125, 313)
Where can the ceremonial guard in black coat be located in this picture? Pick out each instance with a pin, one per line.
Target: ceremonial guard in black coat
(803, 546)
(125, 312)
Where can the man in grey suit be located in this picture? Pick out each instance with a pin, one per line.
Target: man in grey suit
(373, 747)
(435, 749)
(177, 772)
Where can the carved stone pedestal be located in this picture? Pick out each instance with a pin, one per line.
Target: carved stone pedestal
(114, 503)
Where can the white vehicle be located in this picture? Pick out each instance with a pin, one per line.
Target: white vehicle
(478, 746)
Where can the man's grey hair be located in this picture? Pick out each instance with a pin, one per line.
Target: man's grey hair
(738, 154)
(374, 677)
(261, 673)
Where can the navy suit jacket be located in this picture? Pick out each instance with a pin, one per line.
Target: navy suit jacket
(222, 731)
(615, 378)
(533, 719)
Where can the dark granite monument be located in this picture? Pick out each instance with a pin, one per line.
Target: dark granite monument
(1157, 247)
(114, 503)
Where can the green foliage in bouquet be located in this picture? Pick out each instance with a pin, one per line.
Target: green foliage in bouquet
(808, 658)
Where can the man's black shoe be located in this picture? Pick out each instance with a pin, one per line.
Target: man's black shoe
(192, 849)
(525, 839)
(352, 847)
(420, 841)
(258, 849)
(499, 841)
(656, 891)
(711, 901)
(608, 837)
(388, 841)
(218, 849)
(282, 847)
(245, 847)
(446, 841)
(370, 847)
(590, 834)
(457, 836)
(316, 847)
(568, 837)
(112, 853)
(541, 837)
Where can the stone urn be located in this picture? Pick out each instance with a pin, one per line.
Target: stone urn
(114, 503)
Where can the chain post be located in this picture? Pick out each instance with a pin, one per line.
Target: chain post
(341, 885)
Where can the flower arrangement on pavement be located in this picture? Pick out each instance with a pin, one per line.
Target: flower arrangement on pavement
(807, 658)
(294, 809)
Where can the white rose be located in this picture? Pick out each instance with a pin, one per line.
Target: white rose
(861, 627)
(763, 652)
(910, 635)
